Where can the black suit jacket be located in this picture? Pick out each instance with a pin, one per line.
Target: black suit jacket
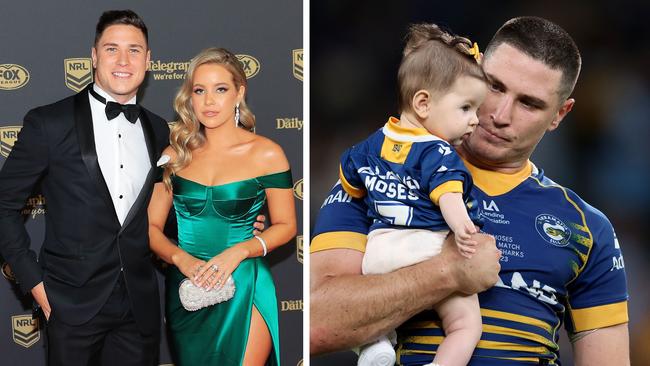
(85, 247)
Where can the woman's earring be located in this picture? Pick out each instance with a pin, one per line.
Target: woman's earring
(237, 115)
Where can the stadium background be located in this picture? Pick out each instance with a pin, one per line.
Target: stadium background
(601, 150)
(45, 57)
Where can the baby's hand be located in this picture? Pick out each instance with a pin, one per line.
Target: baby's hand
(464, 240)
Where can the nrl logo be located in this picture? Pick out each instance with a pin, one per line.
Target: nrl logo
(8, 136)
(78, 73)
(250, 64)
(297, 64)
(25, 330)
(299, 248)
(297, 189)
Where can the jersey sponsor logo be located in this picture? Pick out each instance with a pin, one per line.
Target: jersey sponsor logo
(250, 64)
(535, 289)
(491, 206)
(8, 136)
(390, 184)
(7, 272)
(78, 73)
(616, 244)
(25, 330)
(340, 196)
(13, 76)
(297, 63)
(617, 263)
(553, 230)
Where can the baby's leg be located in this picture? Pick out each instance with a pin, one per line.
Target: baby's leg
(461, 320)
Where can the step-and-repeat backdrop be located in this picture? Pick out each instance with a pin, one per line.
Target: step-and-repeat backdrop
(46, 57)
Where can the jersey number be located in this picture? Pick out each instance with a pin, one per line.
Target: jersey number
(394, 212)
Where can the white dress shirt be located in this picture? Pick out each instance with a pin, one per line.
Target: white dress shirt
(121, 152)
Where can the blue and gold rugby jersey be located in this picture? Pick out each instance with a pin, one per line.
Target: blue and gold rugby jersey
(561, 263)
(402, 172)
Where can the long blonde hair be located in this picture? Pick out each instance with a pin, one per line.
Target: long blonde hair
(187, 133)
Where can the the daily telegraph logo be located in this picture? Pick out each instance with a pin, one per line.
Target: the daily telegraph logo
(13, 76)
(288, 123)
(25, 330)
(168, 70)
(297, 189)
(297, 63)
(291, 305)
(8, 136)
(78, 73)
(35, 206)
(7, 272)
(299, 246)
(250, 64)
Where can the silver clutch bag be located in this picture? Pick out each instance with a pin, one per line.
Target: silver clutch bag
(194, 298)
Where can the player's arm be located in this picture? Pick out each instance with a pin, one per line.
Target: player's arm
(604, 346)
(348, 309)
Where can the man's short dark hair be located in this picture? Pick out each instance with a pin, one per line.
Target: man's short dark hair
(125, 17)
(545, 41)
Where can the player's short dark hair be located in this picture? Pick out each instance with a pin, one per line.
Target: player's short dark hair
(125, 17)
(545, 41)
(432, 60)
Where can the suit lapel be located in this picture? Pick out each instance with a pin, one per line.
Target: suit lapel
(150, 140)
(85, 136)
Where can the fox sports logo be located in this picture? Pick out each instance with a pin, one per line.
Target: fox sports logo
(553, 230)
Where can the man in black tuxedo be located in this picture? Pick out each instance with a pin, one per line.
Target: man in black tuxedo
(94, 155)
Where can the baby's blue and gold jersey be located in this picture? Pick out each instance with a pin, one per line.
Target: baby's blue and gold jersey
(402, 172)
(561, 263)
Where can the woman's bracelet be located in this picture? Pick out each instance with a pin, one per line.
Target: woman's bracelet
(263, 244)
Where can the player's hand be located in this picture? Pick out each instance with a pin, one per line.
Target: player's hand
(258, 226)
(475, 274)
(38, 292)
(466, 245)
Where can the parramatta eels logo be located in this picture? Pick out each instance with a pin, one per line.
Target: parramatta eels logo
(297, 189)
(8, 136)
(553, 230)
(297, 64)
(251, 65)
(7, 272)
(299, 249)
(13, 76)
(25, 330)
(78, 73)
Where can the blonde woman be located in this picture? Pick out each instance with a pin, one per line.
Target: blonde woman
(217, 179)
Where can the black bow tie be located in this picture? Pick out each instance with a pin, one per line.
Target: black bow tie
(113, 109)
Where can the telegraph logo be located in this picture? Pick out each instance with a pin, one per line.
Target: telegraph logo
(297, 64)
(8, 136)
(25, 330)
(299, 249)
(78, 73)
(7, 272)
(251, 65)
(35, 206)
(288, 123)
(553, 230)
(291, 305)
(297, 189)
(13, 76)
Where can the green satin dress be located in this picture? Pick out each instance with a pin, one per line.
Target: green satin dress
(211, 219)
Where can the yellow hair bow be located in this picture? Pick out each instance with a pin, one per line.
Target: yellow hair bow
(475, 52)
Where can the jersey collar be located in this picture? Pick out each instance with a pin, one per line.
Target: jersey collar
(495, 183)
